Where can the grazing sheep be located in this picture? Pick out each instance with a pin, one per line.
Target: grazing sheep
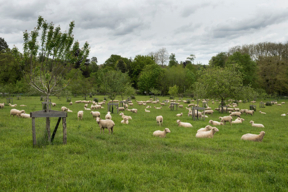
(159, 133)
(180, 106)
(87, 109)
(183, 124)
(108, 115)
(123, 116)
(159, 120)
(226, 118)
(125, 120)
(179, 114)
(16, 112)
(282, 102)
(25, 115)
(107, 123)
(12, 105)
(243, 110)
(207, 128)
(23, 105)
(148, 106)
(64, 108)
(206, 134)
(95, 113)
(80, 115)
(71, 103)
(283, 115)
(2, 105)
(53, 104)
(215, 122)
(256, 125)
(238, 114)
(253, 137)
(86, 105)
(134, 110)
(262, 112)
(238, 120)
(157, 107)
(121, 109)
(147, 111)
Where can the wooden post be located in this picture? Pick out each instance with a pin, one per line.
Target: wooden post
(33, 131)
(48, 128)
(64, 130)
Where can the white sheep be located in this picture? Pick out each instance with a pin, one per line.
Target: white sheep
(121, 109)
(256, 125)
(25, 115)
(53, 104)
(159, 133)
(134, 110)
(183, 124)
(107, 123)
(148, 106)
(16, 112)
(179, 114)
(238, 120)
(207, 128)
(206, 134)
(95, 113)
(262, 112)
(157, 107)
(64, 108)
(87, 109)
(12, 105)
(2, 105)
(69, 111)
(147, 111)
(283, 115)
(238, 114)
(159, 119)
(125, 120)
(108, 115)
(86, 105)
(80, 115)
(71, 103)
(23, 105)
(253, 137)
(226, 118)
(215, 122)
(123, 116)
(251, 112)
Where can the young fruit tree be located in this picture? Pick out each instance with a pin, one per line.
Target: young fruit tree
(221, 83)
(48, 55)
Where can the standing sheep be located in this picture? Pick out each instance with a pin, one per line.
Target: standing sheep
(238, 114)
(253, 137)
(80, 115)
(95, 113)
(16, 112)
(159, 120)
(159, 133)
(108, 115)
(226, 118)
(107, 123)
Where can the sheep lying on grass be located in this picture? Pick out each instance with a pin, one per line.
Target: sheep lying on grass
(207, 128)
(147, 111)
(80, 115)
(12, 105)
(283, 115)
(16, 112)
(253, 137)
(256, 125)
(215, 122)
(107, 123)
(123, 116)
(238, 114)
(25, 115)
(238, 120)
(262, 112)
(23, 105)
(183, 124)
(159, 133)
(206, 134)
(179, 114)
(125, 120)
(64, 108)
(159, 120)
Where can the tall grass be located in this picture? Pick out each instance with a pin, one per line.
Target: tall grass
(133, 160)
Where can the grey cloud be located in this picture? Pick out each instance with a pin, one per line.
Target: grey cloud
(187, 28)
(239, 28)
(187, 11)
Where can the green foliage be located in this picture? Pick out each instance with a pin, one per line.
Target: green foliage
(219, 60)
(172, 60)
(3, 45)
(173, 91)
(191, 58)
(155, 91)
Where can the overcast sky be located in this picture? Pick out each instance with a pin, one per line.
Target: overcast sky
(137, 27)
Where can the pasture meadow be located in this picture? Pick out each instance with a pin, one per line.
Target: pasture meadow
(132, 159)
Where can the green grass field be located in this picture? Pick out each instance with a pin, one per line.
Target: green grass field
(133, 160)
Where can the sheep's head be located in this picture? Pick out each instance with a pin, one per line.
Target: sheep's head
(251, 122)
(22, 111)
(167, 130)
(98, 120)
(178, 121)
(262, 133)
(121, 113)
(210, 121)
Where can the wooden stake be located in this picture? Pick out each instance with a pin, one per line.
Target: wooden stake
(64, 130)
(33, 131)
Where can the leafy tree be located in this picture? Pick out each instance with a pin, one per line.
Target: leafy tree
(155, 91)
(3, 44)
(191, 58)
(221, 83)
(173, 91)
(247, 67)
(111, 63)
(10, 71)
(219, 60)
(121, 66)
(58, 55)
(94, 59)
(172, 60)
(149, 77)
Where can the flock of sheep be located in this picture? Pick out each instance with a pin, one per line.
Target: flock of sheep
(207, 132)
